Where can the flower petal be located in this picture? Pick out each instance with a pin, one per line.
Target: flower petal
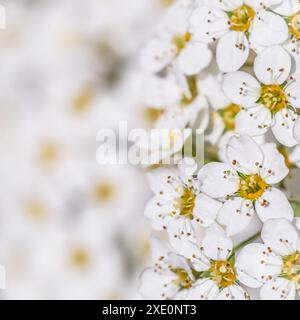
(232, 51)
(194, 58)
(273, 65)
(208, 23)
(235, 215)
(157, 55)
(273, 205)
(278, 289)
(283, 128)
(292, 91)
(182, 234)
(254, 122)
(234, 292)
(274, 167)
(157, 285)
(287, 8)
(255, 265)
(244, 154)
(158, 213)
(206, 209)
(218, 180)
(268, 29)
(216, 245)
(241, 88)
(281, 236)
(203, 289)
(261, 4)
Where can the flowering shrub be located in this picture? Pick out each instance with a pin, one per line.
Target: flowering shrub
(228, 228)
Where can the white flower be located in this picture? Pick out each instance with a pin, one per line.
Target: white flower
(214, 262)
(178, 205)
(171, 276)
(269, 102)
(237, 24)
(291, 11)
(246, 184)
(174, 44)
(275, 265)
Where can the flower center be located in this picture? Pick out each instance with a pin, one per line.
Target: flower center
(152, 114)
(181, 40)
(80, 258)
(252, 187)
(36, 209)
(103, 192)
(228, 115)
(183, 280)
(186, 203)
(241, 18)
(294, 25)
(291, 267)
(273, 97)
(49, 154)
(83, 100)
(223, 273)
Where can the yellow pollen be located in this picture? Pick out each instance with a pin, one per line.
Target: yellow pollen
(183, 280)
(80, 258)
(152, 114)
(223, 273)
(252, 187)
(181, 40)
(273, 97)
(83, 100)
(291, 267)
(103, 192)
(294, 25)
(186, 203)
(241, 18)
(36, 209)
(192, 82)
(228, 115)
(49, 154)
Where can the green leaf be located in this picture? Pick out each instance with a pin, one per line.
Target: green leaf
(296, 207)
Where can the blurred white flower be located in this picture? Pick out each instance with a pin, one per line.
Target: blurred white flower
(275, 265)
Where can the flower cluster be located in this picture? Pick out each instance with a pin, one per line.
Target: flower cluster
(226, 228)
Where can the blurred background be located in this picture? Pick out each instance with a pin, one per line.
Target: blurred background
(70, 228)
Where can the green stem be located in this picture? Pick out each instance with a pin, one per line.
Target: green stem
(296, 206)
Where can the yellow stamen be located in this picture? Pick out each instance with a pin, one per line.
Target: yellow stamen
(273, 97)
(294, 25)
(252, 187)
(241, 18)
(228, 115)
(291, 267)
(186, 203)
(223, 273)
(181, 40)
